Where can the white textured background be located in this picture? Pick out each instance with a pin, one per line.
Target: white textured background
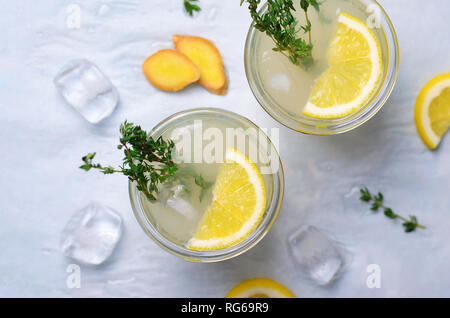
(43, 139)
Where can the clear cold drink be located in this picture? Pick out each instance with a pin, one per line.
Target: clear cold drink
(181, 201)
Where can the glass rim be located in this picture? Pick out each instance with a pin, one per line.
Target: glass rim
(255, 236)
(315, 126)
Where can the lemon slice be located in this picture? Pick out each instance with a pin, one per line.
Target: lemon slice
(260, 288)
(432, 111)
(355, 68)
(239, 201)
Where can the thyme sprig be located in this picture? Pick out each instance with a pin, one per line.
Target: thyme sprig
(410, 225)
(279, 23)
(147, 161)
(190, 7)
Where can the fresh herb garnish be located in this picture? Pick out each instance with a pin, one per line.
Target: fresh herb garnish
(147, 161)
(410, 224)
(185, 175)
(279, 23)
(190, 7)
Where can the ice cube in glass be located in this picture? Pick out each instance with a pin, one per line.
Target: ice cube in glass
(91, 234)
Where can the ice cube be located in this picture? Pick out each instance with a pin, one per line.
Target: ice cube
(91, 234)
(87, 89)
(179, 203)
(320, 258)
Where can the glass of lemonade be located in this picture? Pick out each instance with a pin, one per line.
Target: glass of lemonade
(284, 89)
(203, 139)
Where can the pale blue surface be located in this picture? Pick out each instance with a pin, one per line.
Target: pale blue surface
(43, 140)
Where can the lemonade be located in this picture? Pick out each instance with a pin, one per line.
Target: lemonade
(185, 214)
(352, 60)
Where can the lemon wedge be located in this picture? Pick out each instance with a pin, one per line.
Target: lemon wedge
(260, 288)
(239, 201)
(432, 110)
(355, 68)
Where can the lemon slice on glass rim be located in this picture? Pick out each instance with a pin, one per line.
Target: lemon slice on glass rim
(260, 288)
(239, 201)
(355, 69)
(432, 110)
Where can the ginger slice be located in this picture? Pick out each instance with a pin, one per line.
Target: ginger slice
(207, 57)
(170, 70)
